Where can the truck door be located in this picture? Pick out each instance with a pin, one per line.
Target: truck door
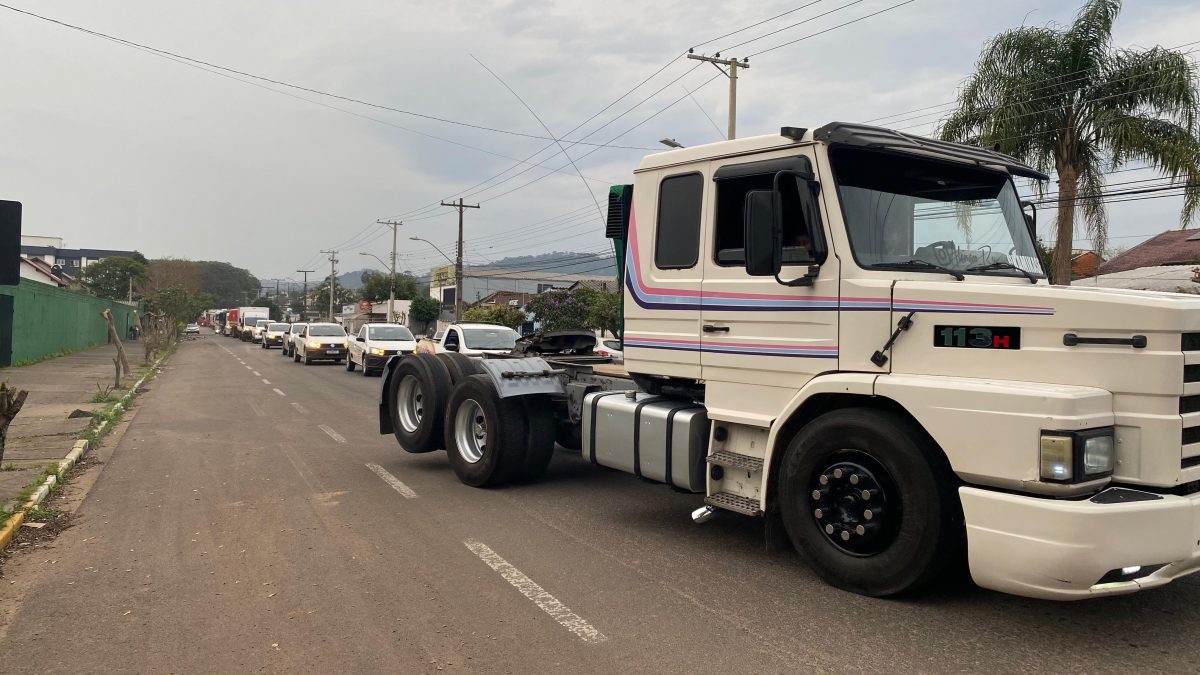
(664, 268)
(762, 340)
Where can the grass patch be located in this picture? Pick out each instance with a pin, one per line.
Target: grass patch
(41, 513)
(55, 355)
(10, 467)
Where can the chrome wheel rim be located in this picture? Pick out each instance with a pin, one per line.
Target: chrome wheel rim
(470, 431)
(410, 403)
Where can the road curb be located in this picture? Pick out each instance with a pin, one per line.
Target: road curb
(78, 450)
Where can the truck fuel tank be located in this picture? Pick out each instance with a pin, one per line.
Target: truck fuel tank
(660, 438)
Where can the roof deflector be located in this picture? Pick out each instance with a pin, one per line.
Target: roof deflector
(861, 135)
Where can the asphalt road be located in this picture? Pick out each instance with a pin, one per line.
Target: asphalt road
(252, 519)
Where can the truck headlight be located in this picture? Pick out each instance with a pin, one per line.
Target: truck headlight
(1070, 456)
(376, 351)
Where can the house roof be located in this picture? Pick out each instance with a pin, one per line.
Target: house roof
(43, 268)
(503, 298)
(1173, 247)
(1171, 278)
(602, 285)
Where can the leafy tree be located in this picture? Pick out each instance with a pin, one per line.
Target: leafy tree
(376, 286)
(110, 277)
(562, 309)
(424, 309)
(1064, 99)
(604, 312)
(500, 314)
(232, 286)
(341, 296)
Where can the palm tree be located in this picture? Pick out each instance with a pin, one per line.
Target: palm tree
(1063, 99)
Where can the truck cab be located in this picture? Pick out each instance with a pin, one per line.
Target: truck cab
(828, 291)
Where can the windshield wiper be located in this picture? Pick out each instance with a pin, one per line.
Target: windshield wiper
(918, 264)
(1003, 265)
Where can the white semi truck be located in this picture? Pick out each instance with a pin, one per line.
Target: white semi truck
(848, 332)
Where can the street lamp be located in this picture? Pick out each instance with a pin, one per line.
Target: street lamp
(391, 289)
(457, 277)
(671, 143)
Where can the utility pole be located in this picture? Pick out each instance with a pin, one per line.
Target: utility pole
(304, 312)
(395, 225)
(732, 64)
(333, 261)
(458, 258)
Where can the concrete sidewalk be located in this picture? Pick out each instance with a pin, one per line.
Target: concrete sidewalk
(44, 431)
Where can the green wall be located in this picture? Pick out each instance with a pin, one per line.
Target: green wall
(46, 319)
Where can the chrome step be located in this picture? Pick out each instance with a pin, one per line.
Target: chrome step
(735, 503)
(732, 459)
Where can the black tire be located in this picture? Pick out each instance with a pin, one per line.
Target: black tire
(295, 357)
(505, 433)
(911, 520)
(349, 365)
(365, 370)
(307, 361)
(460, 366)
(541, 429)
(569, 435)
(423, 430)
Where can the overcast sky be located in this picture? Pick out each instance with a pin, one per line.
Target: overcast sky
(112, 147)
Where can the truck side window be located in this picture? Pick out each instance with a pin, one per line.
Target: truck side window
(730, 220)
(451, 338)
(677, 237)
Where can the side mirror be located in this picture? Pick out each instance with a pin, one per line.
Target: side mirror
(1030, 218)
(451, 347)
(764, 250)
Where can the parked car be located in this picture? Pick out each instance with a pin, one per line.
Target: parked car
(611, 349)
(256, 331)
(289, 338)
(580, 341)
(192, 329)
(272, 336)
(472, 339)
(320, 341)
(375, 343)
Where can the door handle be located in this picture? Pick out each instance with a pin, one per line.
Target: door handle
(709, 328)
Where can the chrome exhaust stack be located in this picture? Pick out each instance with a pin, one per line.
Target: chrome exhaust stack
(703, 514)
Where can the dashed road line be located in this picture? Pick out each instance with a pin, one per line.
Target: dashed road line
(299, 408)
(266, 381)
(331, 433)
(546, 602)
(256, 373)
(257, 408)
(393, 481)
(276, 390)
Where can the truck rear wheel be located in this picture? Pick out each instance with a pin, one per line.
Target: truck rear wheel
(870, 502)
(485, 435)
(460, 366)
(420, 386)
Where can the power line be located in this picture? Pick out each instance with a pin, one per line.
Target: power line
(841, 25)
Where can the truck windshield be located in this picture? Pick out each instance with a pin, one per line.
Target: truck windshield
(326, 331)
(905, 212)
(499, 337)
(277, 327)
(390, 333)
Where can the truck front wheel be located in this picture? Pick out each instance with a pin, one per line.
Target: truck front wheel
(870, 502)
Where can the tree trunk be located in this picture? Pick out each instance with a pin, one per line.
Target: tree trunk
(112, 335)
(1068, 189)
(11, 401)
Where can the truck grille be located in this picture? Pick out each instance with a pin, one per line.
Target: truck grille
(1190, 342)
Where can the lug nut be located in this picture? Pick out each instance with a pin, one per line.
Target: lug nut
(860, 530)
(845, 535)
(819, 513)
(837, 473)
(816, 495)
(868, 514)
(854, 479)
(866, 495)
(828, 529)
(824, 480)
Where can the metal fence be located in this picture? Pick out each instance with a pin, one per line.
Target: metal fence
(37, 320)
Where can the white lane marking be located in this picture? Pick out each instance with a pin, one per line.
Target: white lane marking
(256, 373)
(299, 408)
(256, 408)
(548, 603)
(266, 381)
(331, 433)
(279, 392)
(393, 481)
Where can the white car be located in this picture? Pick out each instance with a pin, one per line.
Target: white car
(611, 349)
(274, 334)
(375, 343)
(472, 339)
(289, 338)
(192, 329)
(260, 326)
(321, 342)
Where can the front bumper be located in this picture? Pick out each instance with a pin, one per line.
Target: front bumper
(268, 340)
(1059, 550)
(376, 362)
(323, 353)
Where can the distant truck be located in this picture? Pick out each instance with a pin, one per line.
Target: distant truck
(247, 318)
